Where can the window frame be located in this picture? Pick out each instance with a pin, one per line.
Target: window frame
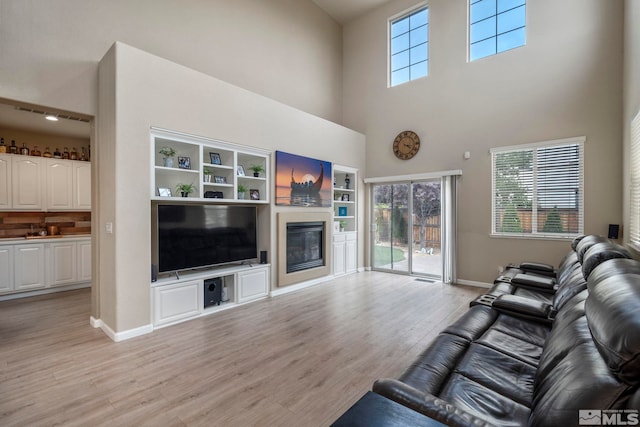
(535, 233)
(398, 17)
(496, 33)
(634, 183)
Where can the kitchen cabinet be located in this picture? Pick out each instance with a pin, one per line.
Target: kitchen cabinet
(62, 263)
(5, 182)
(27, 181)
(68, 185)
(29, 267)
(6, 268)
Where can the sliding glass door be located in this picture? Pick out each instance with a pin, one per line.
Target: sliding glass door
(407, 230)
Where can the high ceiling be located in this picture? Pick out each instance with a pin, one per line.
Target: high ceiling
(344, 11)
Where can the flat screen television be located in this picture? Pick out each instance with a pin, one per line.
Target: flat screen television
(192, 236)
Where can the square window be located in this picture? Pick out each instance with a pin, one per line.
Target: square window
(496, 26)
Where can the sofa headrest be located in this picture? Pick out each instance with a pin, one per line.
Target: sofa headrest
(613, 314)
(613, 267)
(586, 242)
(599, 253)
(574, 243)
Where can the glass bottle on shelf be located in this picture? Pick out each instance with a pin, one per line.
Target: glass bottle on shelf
(47, 153)
(57, 154)
(36, 152)
(65, 153)
(13, 149)
(3, 148)
(74, 154)
(347, 181)
(24, 150)
(83, 155)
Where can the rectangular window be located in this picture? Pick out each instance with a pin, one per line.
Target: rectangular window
(409, 47)
(634, 172)
(495, 26)
(538, 189)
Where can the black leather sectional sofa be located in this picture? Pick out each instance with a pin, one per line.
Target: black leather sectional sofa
(543, 347)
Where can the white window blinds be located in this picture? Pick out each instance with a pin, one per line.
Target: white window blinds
(538, 189)
(634, 199)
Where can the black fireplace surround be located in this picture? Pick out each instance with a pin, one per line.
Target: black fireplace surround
(305, 245)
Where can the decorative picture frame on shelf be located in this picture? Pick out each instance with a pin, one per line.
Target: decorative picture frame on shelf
(215, 158)
(184, 162)
(220, 179)
(164, 192)
(240, 170)
(342, 211)
(254, 194)
(345, 197)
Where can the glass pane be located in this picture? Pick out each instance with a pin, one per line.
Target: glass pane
(419, 53)
(419, 70)
(400, 60)
(400, 27)
(483, 30)
(418, 36)
(419, 19)
(511, 20)
(400, 76)
(482, 49)
(482, 9)
(512, 39)
(400, 43)
(426, 256)
(509, 4)
(390, 246)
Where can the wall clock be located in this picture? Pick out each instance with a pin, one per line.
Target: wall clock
(406, 145)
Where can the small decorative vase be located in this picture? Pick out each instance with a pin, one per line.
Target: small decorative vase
(184, 194)
(168, 162)
(256, 174)
(240, 196)
(207, 178)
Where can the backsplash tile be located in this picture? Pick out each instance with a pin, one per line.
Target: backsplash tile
(18, 224)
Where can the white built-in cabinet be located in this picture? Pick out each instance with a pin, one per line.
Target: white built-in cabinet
(176, 299)
(216, 169)
(345, 217)
(29, 183)
(46, 264)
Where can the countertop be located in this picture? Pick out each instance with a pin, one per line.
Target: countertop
(43, 239)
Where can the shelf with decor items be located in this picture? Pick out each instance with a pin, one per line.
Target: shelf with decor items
(216, 169)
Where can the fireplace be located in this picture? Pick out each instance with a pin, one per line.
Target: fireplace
(305, 245)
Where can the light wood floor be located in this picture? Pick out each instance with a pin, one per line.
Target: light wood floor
(300, 359)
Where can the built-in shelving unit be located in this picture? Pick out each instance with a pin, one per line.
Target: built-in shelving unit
(216, 169)
(345, 217)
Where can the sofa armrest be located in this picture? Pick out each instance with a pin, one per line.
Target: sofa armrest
(538, 267)
(542, 284)
(525, 308)
(426, 404)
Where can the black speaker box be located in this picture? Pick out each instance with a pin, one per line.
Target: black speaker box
(614, 230)
(263, 257)
(154, 273)
(212, 291)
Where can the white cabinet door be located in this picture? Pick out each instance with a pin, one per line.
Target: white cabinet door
(29, 267)
(176, 302)
(253, 283)
(6, 268)
(82, 185)
(62, 263)
(84, 261)
(5, 181)
(59, 184)
(27, 181)
(338, 257)
(351, 255)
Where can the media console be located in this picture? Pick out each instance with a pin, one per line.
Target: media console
(175, 300)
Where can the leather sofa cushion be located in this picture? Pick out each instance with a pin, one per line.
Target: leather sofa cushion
(599, 253)
(613, 312)
(586, 243)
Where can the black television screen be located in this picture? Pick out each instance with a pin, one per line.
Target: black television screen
(191, 236)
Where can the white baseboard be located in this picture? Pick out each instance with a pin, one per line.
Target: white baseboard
(472, 283)
(120, 336)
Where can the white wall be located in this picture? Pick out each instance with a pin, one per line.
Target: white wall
(565, 82)
(288, 50)
(139, 90)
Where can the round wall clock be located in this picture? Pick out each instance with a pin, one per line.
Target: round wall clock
(406, 145)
